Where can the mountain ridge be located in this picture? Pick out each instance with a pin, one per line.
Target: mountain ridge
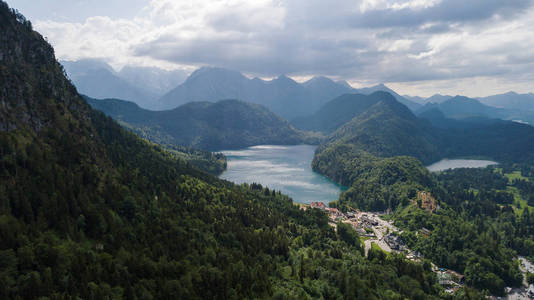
(226, 124)
(337, 112)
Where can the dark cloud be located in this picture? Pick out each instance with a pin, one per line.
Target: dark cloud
(446, 11)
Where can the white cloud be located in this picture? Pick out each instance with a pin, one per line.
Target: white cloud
(367, 5)
(414, 4)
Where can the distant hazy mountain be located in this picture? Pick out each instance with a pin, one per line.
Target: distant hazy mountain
(154, 80)
(282, 95)
(438, 98)
(344, 83)
(210, 126)
(337, 112)
(416, 99)
(463, 107)
(510, 100)
(97, 79)
(324, 88)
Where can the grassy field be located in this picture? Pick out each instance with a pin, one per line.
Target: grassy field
(519, 203)
(515, 175)
(517, 200)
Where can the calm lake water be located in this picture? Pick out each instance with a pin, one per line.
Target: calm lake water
(446, 164)
(284, 168)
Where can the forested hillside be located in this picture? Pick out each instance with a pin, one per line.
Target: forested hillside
(386, 129)
(226, 124)
(89, 210)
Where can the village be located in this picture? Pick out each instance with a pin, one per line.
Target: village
(374, 229)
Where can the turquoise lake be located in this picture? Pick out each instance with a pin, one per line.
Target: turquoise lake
(283, 168)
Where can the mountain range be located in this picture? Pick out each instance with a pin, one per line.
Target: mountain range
(157, 89)
(282, 95)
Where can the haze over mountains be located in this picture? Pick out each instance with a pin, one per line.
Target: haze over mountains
(153, 88)
(143, 85)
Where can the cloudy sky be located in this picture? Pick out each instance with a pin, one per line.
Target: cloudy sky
(417, 47)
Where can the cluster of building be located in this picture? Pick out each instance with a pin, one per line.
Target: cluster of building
(449, 279)
(359, 221)
(395, 242)
(333, 213)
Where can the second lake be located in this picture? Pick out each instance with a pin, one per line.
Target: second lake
(446, 164)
